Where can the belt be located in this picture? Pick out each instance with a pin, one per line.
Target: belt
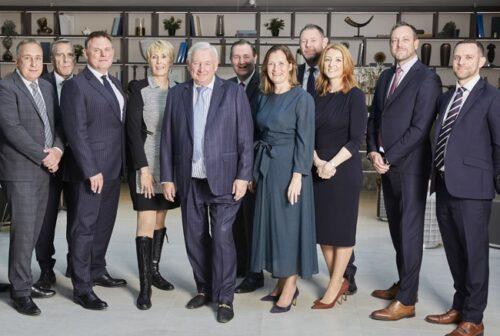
(263, 155)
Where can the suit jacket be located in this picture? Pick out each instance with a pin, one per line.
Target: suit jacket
(472, 157)
(95, 133)
(22, 136)
(404, 119)
(252, 91)
(300, 73)
(51, 78)
(228, 141)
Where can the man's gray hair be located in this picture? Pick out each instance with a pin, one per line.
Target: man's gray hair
(26, 41)
(56, 43)
(202, 46)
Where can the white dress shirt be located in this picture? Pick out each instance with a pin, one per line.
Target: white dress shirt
(118, 94)
(59, 84)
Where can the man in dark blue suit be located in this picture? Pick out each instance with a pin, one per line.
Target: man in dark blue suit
(93, 113)
(206, 158)
(63, 61)
(466, 160)
(398, 146)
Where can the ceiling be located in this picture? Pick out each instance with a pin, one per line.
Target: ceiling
(261, 4)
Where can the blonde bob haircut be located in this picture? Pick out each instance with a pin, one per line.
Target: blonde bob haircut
(348, 78)
(267, 85)
(161, 46)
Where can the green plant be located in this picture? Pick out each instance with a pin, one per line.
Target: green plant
(9, 28)
(172, 23)
(449, 28)
(78, 48)
(275, 25)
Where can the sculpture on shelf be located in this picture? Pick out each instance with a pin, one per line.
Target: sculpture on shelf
(357, 25)
(140, 27)
(78, 49)
(171, 25)
(43, 28)
(379, 58)
(9, 28)
(491, 54)
(445, 51)
(425, 53)
(86, 31)
(7, 43)
(275, 25)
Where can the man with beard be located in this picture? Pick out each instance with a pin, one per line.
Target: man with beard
(399, 148)
(243, 59)
(466, 159)
(312, 42)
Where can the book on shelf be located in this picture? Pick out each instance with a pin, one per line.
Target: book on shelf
(117, 26)
(479, 25)
(192, 31)
(66, 24)
(46, 51)
(198, 26)
(246, 33)
(182, 53)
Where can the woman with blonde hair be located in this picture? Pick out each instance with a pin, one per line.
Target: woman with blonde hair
(340, 127)
(147, 99)
(284, 234)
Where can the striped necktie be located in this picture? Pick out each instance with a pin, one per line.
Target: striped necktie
(200, 120)
(444, 133)
(42, 109)
(395, 81)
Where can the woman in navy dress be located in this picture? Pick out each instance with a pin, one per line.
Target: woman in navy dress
(284, 239)
(340, 128)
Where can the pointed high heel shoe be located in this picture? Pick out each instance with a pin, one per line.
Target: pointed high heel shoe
(341, 296)
(270, 298)
(277, 309)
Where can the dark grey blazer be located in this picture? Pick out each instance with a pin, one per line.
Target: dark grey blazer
(228, 137)
(252, 91)
(22, 134)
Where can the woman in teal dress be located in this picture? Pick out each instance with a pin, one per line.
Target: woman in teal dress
(284, 239)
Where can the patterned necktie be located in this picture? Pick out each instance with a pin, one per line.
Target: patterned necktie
(110, 90)
(42, 109)
(200, 120)
(395, 81)
(444, 133)
(242, 85)
(311, 83)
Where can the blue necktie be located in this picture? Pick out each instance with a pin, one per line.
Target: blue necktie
(200, 120)
(311, 82)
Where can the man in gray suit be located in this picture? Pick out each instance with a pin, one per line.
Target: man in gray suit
(30, 150)
(206, 156)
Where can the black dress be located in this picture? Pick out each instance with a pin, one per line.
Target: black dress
(144, 119)
(340, 122)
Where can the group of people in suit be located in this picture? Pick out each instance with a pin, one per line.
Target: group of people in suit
(264, 167)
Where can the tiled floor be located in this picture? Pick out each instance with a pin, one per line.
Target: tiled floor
(376, 269)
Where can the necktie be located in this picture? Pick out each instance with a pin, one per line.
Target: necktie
(108, 87)
(395, 81)
(444, 133)
(42, 109)
(243, 85)
(200, 120)
(311, 83)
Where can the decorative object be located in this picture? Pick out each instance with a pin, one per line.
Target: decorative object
(480, 25)
(495, 27)
(275, 25)
(86, 31)
(43, 28)
(379, 58)
(171, 25)
(345, 44)
(491, 54)
(219, 27)
(445, 51)
(425, 53)
(78, 49)
(357, 25)
(367, 79)
(9, 28)
(361, 54)
(140, 29)
(7, 43)
(449, 30)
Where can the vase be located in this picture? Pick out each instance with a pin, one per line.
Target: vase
(425, 53)
(275, 32)
(445, 51)
(219, 28)
(7, 43)
(171, 31)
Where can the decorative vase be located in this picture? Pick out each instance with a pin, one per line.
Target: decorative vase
(171, 31)
(219, 29)
(425, 53)
(491, 53)
(445, 51)
(7, 43)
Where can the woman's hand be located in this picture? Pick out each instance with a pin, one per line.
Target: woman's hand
(327, 170)
(147, 182)
(294, 188)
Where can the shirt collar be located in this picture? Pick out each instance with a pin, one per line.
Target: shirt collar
(25, 81)
(152, 83)
(407, 66)
(96, 73)
(470, 84)
(60, 79)
(306, 70)
(210, 85)
(246, 81)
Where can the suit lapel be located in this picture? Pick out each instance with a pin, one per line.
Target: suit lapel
(99, 87)
(386, 83)
(253, 86)
(216, 98)
(471, 99)
(118, 85)
(49, 103)
(442, 110)
(187, 98)
(300, 73)
(20, 84)
(407, 79)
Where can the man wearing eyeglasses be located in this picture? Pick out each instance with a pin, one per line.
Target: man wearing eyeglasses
(31, 147)
(63, 61)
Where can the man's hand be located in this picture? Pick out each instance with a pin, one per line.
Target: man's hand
(51, 161)
(378, 162)
(169, 191)
(54, 169)
(147, 181)
(239, 189)
(96, 183)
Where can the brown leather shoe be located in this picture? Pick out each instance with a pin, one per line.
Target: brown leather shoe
(395, 311)
(468, 329)
(386, 294)
(451, 316)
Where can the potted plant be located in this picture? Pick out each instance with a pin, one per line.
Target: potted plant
(78, 49)
(275, 25)
(449, 29)
(171, 25)
(9, 28)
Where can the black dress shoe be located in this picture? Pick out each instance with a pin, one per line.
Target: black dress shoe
(352, 285)
(4, 287)
(225, 312)
(90, 301)
(38, 292)
(26, 306)
(106, 280)
(198, 301)
(46, 280)
(252, 282)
